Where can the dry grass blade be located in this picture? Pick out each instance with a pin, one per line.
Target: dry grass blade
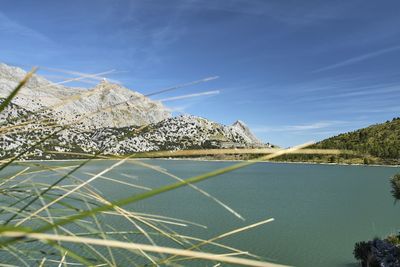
(116, 205)
(47, 189)
(225, 235)
(18, 174)
(110, 107)
(135, 246)
(74, 189)
(234, 250)
(211, 152)
(86, 76)
(120, 182)
(43, 261)
(121, 211)
(196, 188)
(88, 93)
(63, 259)
(180, 97)
(164, 189)
(49, 216)
(10, 97)
(169, 220)
(239, 151)
(184, 85)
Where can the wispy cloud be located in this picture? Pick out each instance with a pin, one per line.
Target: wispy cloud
(312, 126)
(179, 109)
(79, 76)
(358, 59)
(208, 93)
(7, 25)
(354, 93)
(301, 15)
(381, 109)
(299, 127)
(163, 31)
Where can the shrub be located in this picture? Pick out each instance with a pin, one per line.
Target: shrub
(395, 183)
(394, 239)
(378, 252)
(362, 251)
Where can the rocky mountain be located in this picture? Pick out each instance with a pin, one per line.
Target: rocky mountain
(39, 136)
(241, 127)
(183, 132)
(107, 119)
(105, 105)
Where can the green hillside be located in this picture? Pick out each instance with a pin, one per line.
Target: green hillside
(376, 144)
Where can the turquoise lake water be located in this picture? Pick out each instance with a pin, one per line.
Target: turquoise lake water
(320, 211)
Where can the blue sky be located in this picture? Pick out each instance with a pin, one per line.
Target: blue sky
(294, 71)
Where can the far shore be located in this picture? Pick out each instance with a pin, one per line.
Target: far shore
(220, 160)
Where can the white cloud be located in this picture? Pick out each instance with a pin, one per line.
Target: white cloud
(208, 93)
(300, 127)
(358, 59)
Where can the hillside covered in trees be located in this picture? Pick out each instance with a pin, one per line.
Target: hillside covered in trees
(376, 144)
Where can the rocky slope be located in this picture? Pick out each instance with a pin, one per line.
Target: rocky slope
(107, 119)
(109, 105)
(241, 127)
(39, 136)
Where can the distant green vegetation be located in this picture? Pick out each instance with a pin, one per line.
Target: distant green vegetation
(376, 144)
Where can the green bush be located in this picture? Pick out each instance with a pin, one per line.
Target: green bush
(395, 183)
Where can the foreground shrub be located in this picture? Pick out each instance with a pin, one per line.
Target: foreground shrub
(379, 253)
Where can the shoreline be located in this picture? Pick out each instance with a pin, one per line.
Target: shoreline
(284, 162)
(221, 160)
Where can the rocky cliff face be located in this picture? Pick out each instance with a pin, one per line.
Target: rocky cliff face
(22, 131)
(109, 105)
(39, 127)
(182, 132)
(241, 127)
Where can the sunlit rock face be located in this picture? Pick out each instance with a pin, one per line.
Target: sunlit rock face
(47, 121)
(242, 128)
(105, 105)
(22, 130)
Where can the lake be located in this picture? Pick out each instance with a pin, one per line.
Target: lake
(320, 211)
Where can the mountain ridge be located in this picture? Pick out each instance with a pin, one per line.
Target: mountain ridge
(79, 127)
(175, 133)
(128, 107)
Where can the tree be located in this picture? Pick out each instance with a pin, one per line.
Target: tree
(395, 183)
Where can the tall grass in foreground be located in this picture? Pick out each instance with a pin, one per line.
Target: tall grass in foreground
(51, 216)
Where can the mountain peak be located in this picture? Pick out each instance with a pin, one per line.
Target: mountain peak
(240, 126)
(239, 123)
(107, 83)
(110, 104)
